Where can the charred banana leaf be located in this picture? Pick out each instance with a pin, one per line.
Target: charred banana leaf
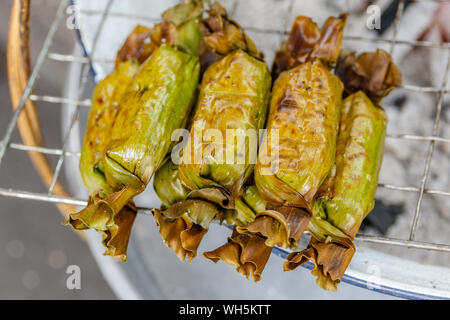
(247, 252)
(348, 194)
(223, 35)
(105, 106)
(298, 149)
(307, 42)
(137, 46)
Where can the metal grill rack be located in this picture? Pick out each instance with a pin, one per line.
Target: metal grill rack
(86, 61)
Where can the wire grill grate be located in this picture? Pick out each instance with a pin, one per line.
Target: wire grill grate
(62, 153)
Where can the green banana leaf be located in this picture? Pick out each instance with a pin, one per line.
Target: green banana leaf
(167, 184)
(223, 35)
(157, 102)
(105, 105)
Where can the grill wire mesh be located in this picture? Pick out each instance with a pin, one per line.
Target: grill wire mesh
(86, 61)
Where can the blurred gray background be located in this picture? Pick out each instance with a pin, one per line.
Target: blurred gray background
(35, 249)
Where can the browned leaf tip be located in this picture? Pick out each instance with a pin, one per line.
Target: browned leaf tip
(143, 41)
(133, 45)
(372, 72)
(247, 253)
(282, 226)
(116, 238)
(180, 234)
(115, 226)
(183, 225)
(306, 42)
(223, 35)
(330, 262)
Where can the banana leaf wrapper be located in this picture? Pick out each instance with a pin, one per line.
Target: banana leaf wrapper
(253, 199)
(110, 209)
(297, 152)
(167, 184)
(106, 98)
(183, 222)
(304, 113)
(233, 95)
(245, 209)
(177, 227)
(348, 194)
(105, 105)
(156, 102)
(137, 46)
(247, 252)
(374, 73)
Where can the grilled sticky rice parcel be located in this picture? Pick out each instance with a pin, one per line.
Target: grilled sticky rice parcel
(298, 149)
(348, 194)
(233, 99)
(134, 111)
